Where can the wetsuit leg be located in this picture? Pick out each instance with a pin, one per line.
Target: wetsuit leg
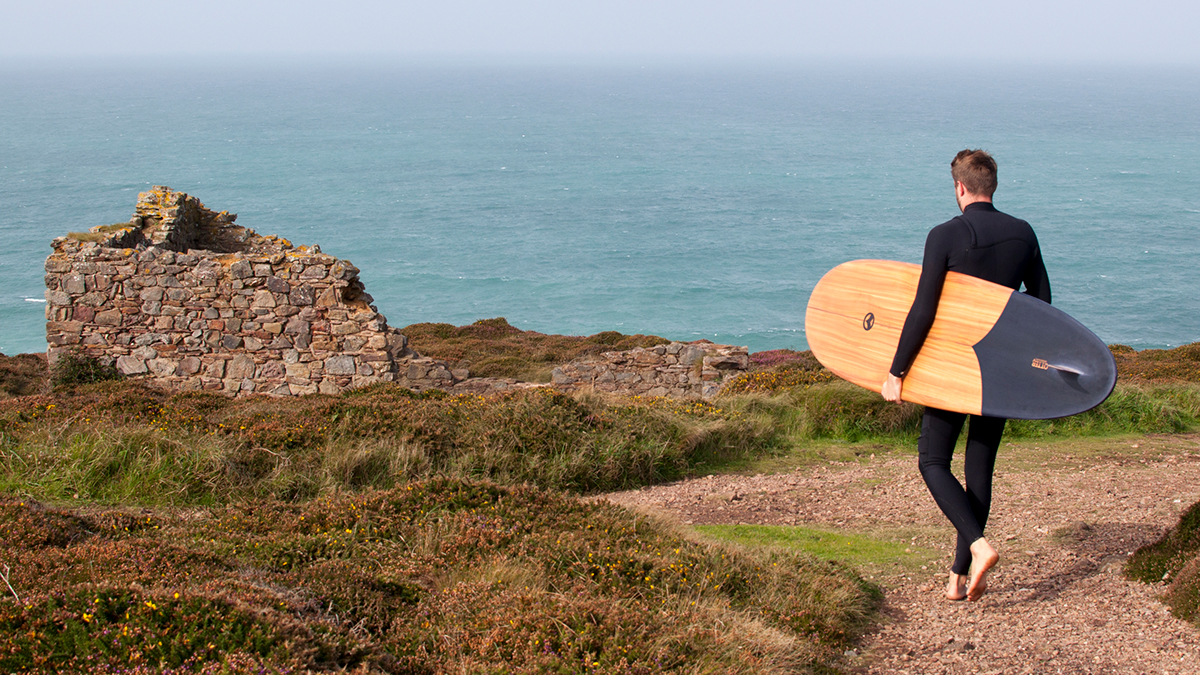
(983, 442)
(935, 449)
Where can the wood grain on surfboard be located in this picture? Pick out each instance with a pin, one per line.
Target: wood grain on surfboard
(857, 311)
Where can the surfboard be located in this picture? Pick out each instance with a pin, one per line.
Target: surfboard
(991, 351)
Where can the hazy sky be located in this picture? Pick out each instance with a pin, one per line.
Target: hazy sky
(1113, 31)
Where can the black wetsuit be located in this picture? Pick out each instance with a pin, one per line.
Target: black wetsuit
(991, 245)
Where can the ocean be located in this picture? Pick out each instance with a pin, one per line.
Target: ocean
(684, 200)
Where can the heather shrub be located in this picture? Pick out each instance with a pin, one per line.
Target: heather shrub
(22, 375)
(494, 348)
(1167, 556)
(433, 576)
(1175, 558)
(74, 368)
(1158, 365)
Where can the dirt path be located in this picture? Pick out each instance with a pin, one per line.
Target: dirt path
(1057, 603)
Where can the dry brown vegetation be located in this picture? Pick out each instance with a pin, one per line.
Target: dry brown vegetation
(23, 374)
(252, 534)
(493, 348)
(433, 577)
(1181, 364)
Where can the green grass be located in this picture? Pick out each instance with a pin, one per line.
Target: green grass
(1175, 559)
(120, 442)
(433, 576)
(890, 551)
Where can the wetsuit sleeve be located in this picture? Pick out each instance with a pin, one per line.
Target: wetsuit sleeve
(1037, 282)
(924, 307)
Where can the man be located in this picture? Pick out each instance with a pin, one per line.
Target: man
(984, 243)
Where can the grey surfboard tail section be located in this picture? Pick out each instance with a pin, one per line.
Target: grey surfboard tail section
(1039, 363)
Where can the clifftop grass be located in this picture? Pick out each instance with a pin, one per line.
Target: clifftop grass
(435, 576)
(121, 441)
(493, 348)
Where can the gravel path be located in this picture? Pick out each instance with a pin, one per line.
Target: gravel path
(1057, 602)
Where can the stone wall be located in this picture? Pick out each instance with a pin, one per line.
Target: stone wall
(678, 369)
(183, 296)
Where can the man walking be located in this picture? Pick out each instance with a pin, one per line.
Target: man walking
(985, 243)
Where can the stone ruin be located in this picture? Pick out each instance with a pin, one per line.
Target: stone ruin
(186, 298)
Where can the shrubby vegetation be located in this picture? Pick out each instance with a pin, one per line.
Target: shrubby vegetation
(75, 368)
(390, 531)
(1158, 391)
(22, 375)
(121, 441)
(435, 576)
(1175, 559)
(493, 348)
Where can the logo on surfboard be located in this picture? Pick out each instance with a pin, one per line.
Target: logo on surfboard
(869, 321)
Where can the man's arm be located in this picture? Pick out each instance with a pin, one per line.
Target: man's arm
(1037, 282)
(924, 307)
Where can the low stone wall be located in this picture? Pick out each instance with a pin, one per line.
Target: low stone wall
(184, 297)
(678, 369)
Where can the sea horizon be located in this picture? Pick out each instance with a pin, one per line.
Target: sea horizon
(684, 200)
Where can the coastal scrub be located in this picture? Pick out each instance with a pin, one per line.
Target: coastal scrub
(433, 576)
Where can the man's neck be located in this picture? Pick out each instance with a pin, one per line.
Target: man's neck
(970, 199)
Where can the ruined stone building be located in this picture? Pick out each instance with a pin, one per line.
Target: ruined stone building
(186, 298)
(189, 299)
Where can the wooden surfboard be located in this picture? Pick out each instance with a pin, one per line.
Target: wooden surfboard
(991, 351)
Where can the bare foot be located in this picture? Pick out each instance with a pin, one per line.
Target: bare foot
(956, 589)
(983, 559)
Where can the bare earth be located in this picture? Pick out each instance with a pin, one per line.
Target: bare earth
(1057, 602)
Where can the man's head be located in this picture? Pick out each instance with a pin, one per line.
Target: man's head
(974, 173)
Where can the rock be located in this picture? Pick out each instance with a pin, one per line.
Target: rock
(340, 365)
(346, 328)
(110, 317)
(216, 369)
(263, 299)
(327, 298)
(271, 370)
(241, 367)
(145, 352)
(162, 367)
(240, 270)
(189, 366)
(74, 284)
(129, 365)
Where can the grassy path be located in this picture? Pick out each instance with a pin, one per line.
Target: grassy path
(1066, 516)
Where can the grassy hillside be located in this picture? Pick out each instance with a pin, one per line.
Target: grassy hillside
(432, 577)
(114, 441)
(393, 532)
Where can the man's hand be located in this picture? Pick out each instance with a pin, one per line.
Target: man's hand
(892, 387)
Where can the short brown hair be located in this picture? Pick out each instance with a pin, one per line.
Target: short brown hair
(976, 170)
